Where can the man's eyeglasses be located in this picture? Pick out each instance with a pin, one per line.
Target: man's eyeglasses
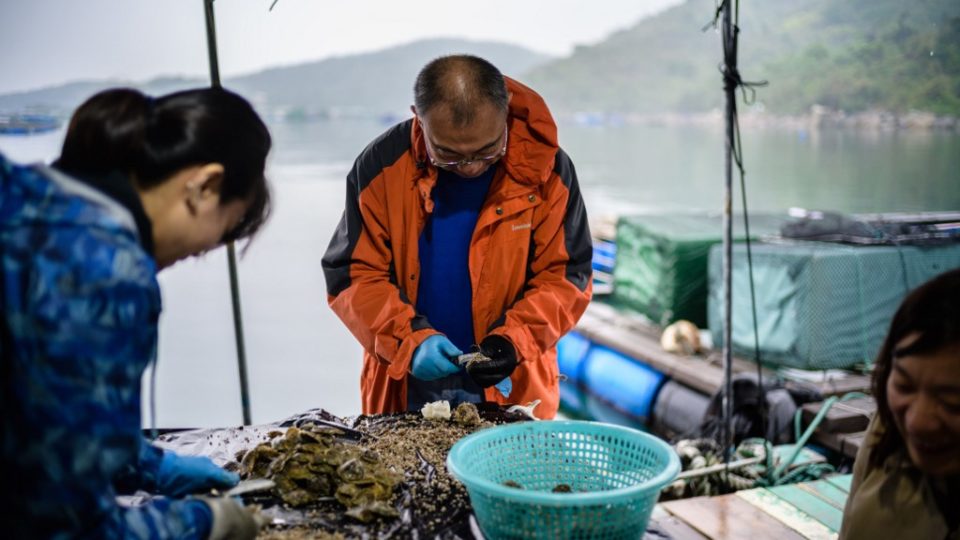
(466, 162)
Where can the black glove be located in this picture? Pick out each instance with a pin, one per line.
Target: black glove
(503, 360)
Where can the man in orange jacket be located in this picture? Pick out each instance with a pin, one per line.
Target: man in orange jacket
(463, 225)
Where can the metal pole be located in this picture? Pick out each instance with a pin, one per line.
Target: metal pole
(231, 250)
(729, 89)
(212, 44)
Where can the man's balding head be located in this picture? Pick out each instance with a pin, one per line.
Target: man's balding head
(463, 84)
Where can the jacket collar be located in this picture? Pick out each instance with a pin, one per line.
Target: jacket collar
(119, 187)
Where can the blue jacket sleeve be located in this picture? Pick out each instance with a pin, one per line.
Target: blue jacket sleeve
(149, 465)
(143, 474)
(81, 306)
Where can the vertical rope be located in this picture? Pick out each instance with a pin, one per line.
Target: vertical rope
(731, 81)
(729, 48)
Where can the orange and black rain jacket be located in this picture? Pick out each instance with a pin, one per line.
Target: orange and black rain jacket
(529, 258)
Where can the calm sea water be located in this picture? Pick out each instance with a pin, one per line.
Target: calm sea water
(301, 356)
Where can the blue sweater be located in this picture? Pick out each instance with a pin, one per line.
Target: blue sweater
(445, 297)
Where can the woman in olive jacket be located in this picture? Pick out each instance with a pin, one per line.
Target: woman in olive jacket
(906, 480)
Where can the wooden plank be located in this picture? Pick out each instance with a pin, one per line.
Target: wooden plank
(693, 372)
(798, 521)
(830, 440)
(850, 444)
(841, 481)
(826, 491)
(844, 416)
(845, 385)
(665, 525)
(631, 336)
(604, 325)
(729, 517)
(847, 444)
(817, 508)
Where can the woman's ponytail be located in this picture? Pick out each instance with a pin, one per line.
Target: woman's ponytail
(106, 133)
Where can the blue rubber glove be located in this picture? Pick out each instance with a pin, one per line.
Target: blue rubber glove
(179, 475)
(435, 358)
(504, 387)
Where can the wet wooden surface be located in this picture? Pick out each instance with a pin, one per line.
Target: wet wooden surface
(663, 524)
(729, 517)
(802, 523)
(812, 510)
(844, 416)
(641, 341)
(704, 373)
(810, 502)
(847, 444)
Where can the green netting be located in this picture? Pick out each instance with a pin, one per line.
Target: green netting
(820, 305)
(661, 266)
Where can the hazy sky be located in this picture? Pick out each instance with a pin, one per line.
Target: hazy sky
(47, 42)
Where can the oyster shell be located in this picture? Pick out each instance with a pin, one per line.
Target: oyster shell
(311, 463)
(436, 410)
(466, 414)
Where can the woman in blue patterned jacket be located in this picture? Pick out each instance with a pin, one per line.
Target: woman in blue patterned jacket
(140, 184)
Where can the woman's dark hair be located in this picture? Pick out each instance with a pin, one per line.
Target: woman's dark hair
(932, 311)
(438, 82)
(153, 138)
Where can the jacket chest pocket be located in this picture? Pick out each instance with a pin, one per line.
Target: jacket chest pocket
(510, 242)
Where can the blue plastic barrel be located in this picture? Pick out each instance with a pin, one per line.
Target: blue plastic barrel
(678, 410)
(573, 400)
(571, 352)
(625, 383)
(601, 411)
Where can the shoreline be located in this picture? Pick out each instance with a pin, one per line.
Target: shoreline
(817, 118)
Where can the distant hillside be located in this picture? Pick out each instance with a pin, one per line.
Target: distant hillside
(375, 83)
(379, 82)
(853, 55)
(849, 54)
(62, 99)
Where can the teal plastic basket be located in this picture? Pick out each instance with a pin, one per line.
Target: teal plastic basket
(614, 474)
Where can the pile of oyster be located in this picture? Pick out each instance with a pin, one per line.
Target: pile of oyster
(311, 464)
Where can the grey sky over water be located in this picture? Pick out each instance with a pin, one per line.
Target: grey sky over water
(46, 42)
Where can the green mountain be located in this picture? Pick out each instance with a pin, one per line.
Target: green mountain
(64, 98)
(848, 54)
(852, 55)
(374, 83)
